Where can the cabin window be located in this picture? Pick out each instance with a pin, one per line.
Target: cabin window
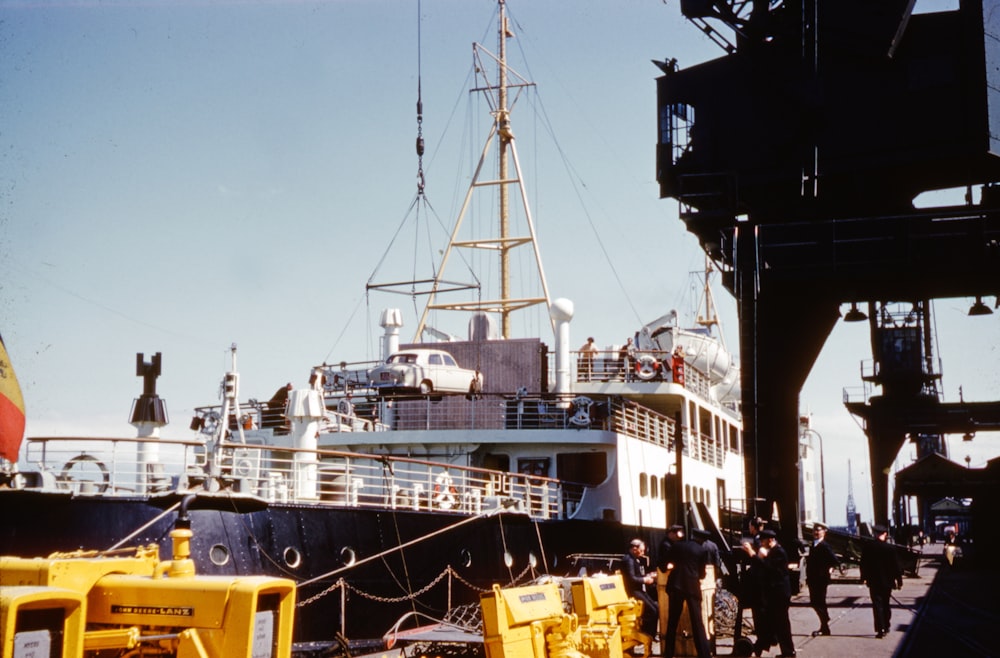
(643, 485)
(708, 498)
(663, 487)
(497, 462)
(687, 493)
(735, 439)
(704, 422)
(654, 489)
(590, 468)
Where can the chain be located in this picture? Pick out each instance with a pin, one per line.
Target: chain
(399, 599)
(316, 597)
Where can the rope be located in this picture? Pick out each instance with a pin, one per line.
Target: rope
(412, 542)
(165, 512)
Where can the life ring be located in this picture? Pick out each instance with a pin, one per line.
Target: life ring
(444, 491)
(647, 367)
(580, 411)
(86, 460)
(243, 468)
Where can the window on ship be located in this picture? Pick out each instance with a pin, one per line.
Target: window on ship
(590, 468)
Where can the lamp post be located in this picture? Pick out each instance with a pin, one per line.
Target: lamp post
(822, 470)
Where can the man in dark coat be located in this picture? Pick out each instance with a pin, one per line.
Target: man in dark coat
(771, 561)
(640, 582)
(749, 582)
(819, 562)
(687, 560)
(881, 571)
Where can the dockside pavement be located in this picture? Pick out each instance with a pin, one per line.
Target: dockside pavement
(945, 610)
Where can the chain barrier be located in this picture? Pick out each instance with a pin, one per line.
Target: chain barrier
(341, 583)
(316, 597)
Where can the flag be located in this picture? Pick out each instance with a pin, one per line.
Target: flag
(11, 409)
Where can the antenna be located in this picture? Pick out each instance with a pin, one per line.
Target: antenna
(852, 510)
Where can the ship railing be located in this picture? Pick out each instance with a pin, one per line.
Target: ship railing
(411, 412)
(639, 422)
(349, 479)
(705, 448)
(645, 424)
(609, 366)
(139, 466)
(116, 466)
(514, 411)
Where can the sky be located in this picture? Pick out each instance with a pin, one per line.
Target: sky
(182, 176)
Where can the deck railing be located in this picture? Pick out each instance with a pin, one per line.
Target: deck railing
(128, 467)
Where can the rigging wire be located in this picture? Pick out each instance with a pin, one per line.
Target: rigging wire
(575, 179)
(420, 195)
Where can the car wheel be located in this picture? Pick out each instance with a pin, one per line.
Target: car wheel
(426, 388)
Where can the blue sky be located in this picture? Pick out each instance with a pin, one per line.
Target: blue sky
(181, 176)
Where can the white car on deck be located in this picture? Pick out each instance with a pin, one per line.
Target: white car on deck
(423, 371)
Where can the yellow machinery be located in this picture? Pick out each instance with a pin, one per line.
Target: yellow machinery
(525, 622)
(602, 602)
(80, 605)
(533, 621)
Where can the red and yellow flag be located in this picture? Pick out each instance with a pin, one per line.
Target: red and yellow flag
(11, 408)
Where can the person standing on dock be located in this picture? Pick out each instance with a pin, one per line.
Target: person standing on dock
(881, 571)
(776, 594)
(750, 587)
(686, 560)
(819, 562)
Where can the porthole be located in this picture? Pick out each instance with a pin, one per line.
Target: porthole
(532, 560)
(219, 555)
(292, 557)
(508, 559)
(466, 557)
(347, 556)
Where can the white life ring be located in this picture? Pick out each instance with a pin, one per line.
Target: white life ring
(444, 491)
(243, 468)
(647, 367)
(84, 464)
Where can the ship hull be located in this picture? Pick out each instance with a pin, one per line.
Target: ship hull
(355, 580)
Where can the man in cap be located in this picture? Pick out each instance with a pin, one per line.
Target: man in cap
(675, 533)
(820, 560)
(881, 571)
(749, 583)
(687, 560)
(776, 592)
(640, 580)
(713, 577)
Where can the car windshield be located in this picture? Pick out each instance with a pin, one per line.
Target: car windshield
(403, 358)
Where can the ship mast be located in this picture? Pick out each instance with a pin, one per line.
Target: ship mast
(497, 95)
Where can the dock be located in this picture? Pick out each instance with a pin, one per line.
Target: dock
(945, 610)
